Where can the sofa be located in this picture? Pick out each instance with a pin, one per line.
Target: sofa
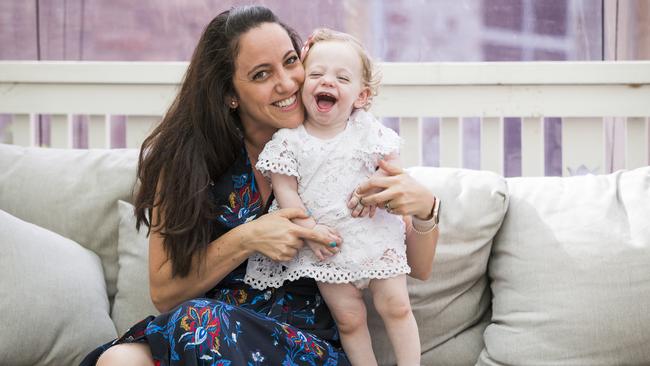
(528, 271)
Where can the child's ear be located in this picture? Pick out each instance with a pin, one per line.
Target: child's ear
(362, 99)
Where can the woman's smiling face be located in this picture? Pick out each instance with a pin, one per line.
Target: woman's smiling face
(267, 80)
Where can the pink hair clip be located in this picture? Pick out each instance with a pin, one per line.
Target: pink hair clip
(306, 46)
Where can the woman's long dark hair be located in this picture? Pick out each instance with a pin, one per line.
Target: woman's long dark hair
(196, 141)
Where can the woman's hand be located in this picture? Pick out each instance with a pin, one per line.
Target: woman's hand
(275, 236)
(359, 208)
(399, 193)
(402, 195)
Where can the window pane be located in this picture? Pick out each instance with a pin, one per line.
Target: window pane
(393, 30)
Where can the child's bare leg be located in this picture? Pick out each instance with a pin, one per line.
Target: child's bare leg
(391, 300)
(348, 309)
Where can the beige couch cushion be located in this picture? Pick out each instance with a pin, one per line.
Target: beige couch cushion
(570, 273)
(52, 297)
(71, 192)
(452, 307)
(132, 301)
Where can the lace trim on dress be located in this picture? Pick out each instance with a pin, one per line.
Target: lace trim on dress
(267, 167)
(264, 273)
(277, 158)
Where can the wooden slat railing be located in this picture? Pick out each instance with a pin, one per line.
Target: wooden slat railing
(583, 94)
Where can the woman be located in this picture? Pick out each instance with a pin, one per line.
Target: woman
(207, 207)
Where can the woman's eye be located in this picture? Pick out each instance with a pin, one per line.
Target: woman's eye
(260, 75)
(292, 60)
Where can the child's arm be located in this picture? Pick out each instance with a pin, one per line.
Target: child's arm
(285, 189)
(360, 210)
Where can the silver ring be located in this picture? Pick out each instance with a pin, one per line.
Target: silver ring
(387, 207)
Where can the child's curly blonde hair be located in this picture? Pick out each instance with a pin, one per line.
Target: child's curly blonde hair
(370, 77)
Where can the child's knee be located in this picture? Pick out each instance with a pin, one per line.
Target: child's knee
(392, 307)
(350, 320)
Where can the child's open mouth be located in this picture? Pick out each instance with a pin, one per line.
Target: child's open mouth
(325, 101)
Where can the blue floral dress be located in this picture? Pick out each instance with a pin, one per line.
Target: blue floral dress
(235, 324)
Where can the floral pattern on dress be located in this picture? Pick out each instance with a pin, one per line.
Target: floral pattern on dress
(244, 200)
(201, 329)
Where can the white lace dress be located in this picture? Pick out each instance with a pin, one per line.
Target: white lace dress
(328, 171)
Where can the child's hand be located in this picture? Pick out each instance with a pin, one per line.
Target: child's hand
(321, 251)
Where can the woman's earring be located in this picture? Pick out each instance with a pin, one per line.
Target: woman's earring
(233, 104)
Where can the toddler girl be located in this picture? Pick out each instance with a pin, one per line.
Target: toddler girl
(315, 166)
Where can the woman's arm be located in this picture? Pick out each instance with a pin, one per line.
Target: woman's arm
(273, 235)
(405, 196)
(421, 248)
(222, 256)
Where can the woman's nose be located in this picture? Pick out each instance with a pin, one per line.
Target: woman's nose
(285, 82)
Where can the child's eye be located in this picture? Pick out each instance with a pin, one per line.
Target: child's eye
(343, 78)
(261, 75)
(315, 74)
